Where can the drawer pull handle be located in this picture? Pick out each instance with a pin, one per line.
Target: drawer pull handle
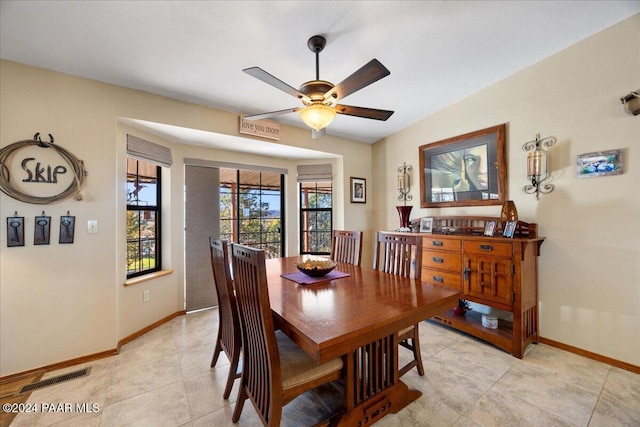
(466, 271)
(436, 259)
(486, 247)
(437, 279)
(437, 243)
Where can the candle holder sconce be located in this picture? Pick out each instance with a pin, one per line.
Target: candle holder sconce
(537, 166)
(404, 182)
(404, 186)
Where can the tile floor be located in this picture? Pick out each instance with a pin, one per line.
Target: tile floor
(163, 379)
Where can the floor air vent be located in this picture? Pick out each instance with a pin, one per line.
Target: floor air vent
(54, 380)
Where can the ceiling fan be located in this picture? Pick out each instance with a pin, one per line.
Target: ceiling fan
(319, 97)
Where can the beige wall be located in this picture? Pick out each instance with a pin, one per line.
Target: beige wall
(60, 302)
(590, 262)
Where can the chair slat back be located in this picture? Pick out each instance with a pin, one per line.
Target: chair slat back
(346, 246)
(261, 374)
(229, 319)
(395, 254)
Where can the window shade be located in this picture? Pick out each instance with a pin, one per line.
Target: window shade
(314, 173)
(188, 161)
(147, 151)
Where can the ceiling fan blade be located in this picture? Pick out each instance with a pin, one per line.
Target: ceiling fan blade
(367, 113)
(367, 74)
(261, 74)
(315, 134)
(271, 114)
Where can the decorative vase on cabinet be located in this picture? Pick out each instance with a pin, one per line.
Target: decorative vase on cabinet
(404, 212)
(509, 211)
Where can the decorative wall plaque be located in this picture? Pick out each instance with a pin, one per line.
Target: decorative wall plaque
(15, 231)
(42, 230)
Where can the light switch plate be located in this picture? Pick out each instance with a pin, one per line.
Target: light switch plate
(92, 226)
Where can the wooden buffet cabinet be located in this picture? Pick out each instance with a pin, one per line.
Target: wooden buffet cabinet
(496, 271)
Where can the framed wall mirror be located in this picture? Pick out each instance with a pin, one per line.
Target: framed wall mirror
(466, 170)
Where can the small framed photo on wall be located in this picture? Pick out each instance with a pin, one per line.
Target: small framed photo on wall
(600, 163)
(490, 229)
(358, 190)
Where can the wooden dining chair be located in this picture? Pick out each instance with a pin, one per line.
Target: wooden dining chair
(346, 246)
(401, 254)
(229, 333)
(275, 370)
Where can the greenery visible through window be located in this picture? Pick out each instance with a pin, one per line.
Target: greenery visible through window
(143, 218)
(316, 225)
(251, 209)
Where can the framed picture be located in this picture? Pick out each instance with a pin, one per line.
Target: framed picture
(67, 229)
(15, 231)
(466, 170)
(426, 225)
(490, 228)
(509, 229)
(42, 230)
(358, 190)
(600, 163)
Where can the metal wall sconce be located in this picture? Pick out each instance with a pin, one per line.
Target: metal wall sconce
(404, 182)
(631, 102)
(404, 186)
(537, 166)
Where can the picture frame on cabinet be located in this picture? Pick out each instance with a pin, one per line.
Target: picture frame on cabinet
(490, 229)
(426, 225)
(509, 229)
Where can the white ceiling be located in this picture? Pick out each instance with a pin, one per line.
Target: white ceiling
(438, 52)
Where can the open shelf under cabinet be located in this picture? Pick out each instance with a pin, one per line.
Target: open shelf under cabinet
(471, 323)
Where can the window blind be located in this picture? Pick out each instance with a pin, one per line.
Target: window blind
(314, 173)
(188, 161)
(147, 151)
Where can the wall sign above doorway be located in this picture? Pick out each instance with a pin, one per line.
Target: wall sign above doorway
(262, 128)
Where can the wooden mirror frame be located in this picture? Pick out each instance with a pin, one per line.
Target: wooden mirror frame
(449, 153)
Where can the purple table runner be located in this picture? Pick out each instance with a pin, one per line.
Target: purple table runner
(302, 279)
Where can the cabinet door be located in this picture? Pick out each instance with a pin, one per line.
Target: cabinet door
(489, 279)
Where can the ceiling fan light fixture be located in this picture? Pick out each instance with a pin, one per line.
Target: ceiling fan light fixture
(317, 116)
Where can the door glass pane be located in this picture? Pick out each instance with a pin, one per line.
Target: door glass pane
(250, 204)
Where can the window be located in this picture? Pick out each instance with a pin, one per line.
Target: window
(316, 225)
(251, 209)
(143, 218)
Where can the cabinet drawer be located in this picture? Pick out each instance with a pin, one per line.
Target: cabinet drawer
(488, 247)
(449, 261)
(451, 280)
(429, 243)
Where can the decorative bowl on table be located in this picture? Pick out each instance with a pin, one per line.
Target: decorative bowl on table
(316, 267)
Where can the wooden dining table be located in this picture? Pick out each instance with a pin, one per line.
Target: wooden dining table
(356, 317)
